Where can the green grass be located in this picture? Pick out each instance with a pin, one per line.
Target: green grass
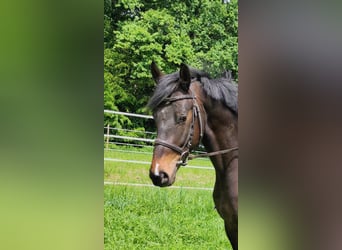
(143, 155)
(159, 218)
(138, 173)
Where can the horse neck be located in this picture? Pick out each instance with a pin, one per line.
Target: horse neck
(220, 131)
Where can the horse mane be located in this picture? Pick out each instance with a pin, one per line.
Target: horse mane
(222, 89)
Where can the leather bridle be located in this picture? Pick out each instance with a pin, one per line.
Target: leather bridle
(184, 151)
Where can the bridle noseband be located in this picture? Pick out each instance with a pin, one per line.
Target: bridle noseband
(184, 151)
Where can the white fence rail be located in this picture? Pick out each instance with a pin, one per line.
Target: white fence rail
(149, 163)
(124, 140)
(111, 137)
(127, 114)
(108, 136)
(130, 138)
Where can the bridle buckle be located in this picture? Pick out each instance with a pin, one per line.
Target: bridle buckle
(183, 159)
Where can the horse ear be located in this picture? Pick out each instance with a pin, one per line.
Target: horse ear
(185, 76)
(156, 72)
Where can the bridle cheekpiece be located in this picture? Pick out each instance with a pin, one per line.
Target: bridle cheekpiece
(184, 151)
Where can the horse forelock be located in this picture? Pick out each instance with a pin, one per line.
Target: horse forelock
(167, 84)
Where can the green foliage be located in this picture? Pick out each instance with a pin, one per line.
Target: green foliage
(202, 34)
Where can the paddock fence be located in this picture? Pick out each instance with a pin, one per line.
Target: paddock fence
(125, 139)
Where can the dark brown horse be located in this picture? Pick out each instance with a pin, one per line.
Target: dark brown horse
(190, 108)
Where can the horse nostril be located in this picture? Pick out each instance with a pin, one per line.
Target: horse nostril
(164, 176)
(161, 179)
(164, 179)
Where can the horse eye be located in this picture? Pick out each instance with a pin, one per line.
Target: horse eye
(182, 119)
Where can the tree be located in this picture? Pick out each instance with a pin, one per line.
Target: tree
(201, 33)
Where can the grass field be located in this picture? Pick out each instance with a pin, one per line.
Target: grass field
(138, 173)
(159, 218)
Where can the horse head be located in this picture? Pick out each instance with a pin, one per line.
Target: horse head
(177, 117)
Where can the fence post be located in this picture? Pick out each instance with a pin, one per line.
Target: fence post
(107, 140)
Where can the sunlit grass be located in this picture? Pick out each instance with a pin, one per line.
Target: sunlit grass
(161, 218)
(138, 173)
(144, 154)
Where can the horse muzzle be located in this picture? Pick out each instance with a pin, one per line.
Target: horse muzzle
(160, 179)
(163, 172)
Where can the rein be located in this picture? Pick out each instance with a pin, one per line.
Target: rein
(220, 152)
(185, 150)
